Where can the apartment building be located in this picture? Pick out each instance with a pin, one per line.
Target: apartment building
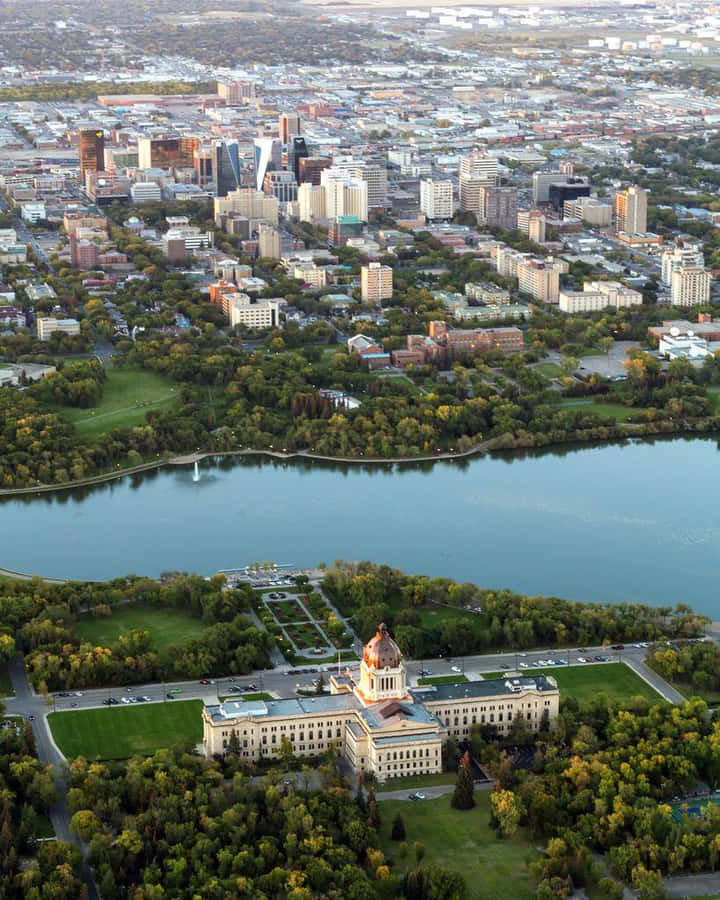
(436, 198)
(690, 286)
(680, 256)
(539, 279)
(376, 283)
(311, 202)
(631, 210)
(598, 295)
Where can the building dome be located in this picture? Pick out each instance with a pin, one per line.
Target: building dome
(381, 651)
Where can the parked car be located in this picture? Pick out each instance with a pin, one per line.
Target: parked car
(170, 696)
(524, 666)
(581, 659)
(125, 699)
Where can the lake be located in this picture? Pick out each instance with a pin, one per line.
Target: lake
(639, 521)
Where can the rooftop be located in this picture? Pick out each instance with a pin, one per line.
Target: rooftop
(487, 688)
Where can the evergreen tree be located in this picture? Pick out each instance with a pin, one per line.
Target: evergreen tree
(464, 787)
(398, 828)
(373, 814)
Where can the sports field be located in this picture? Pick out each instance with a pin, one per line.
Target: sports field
(128, 395)
(583, 682)
(167, 626)
(493, 869)
(121, 731)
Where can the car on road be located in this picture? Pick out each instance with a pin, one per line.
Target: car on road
(146, 699)
(524, 666)
(170, 695)
(76, 694)
(31, 718)
(235, 689)
(600, 658)
(455, 669)
(63, 694)
(618, 647)
(73, 705)
(125, 700)
(176, 690)
(207, 681)
(582, 659)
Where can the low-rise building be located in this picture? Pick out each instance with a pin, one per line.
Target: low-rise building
(254, 313)
(47, 326)
(598, 295)
(377, 722)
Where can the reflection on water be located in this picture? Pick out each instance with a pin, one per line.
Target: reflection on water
(638, 521)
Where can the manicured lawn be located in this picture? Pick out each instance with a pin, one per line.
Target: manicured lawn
(436, 615)
(119, 732)
(548, 369)
(605, 410)
(261, 695)
(493, 869)
(418, 781)
(583, 682)
(129, 394)
(6, 688)
(442, 679)
(326, 660)
(167, 626)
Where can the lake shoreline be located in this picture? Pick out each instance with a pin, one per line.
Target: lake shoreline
(500, 444)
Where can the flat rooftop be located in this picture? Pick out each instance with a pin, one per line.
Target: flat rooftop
(491, 687)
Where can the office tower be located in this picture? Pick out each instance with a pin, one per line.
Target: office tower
(235, 93)
(311, 200)
(681, 256)
(288, 127)
(476, 171)
(374, 174)
(344, 195)
(498, 207)
(376, 283)
(297, 150)
(166, 152)
(268, 155)
(542, 180)
(203, 164)
(311, 167)
(436, 198)
(631, 210)
(690, 286)
(91, 143)
(281, 185)
(561, 191)
(226, 167)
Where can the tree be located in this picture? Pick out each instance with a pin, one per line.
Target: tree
(373, 814)
(398, 828)
(463, 798)
(507, 810)
(419, 850)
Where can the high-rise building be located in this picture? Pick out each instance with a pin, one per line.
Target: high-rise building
(311, 201)
(91, 143)
(226, 167)
(498, 207)
(344, 195)
(235, 93)
(288, 126)
(268, 157)
(374, 174)
(311, 167)
(477, 171)
(541, 182)
(203, 164)
(166, 152)
(539, 280)
(281, 185)
(268, 241)
(436, 198)
(532, 222)
(297, 150)
(376, 283)
(631, 210)
(681, 256)
(561, 191)
(690, 286)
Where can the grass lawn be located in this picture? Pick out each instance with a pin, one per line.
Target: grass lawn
(548, 369)
(129, 394)
(418, 781)
(436, 615)
(119, 732)
(287, 611)
(6, 688)
(261, 695)
(713, 395)
(348, 655)
(606, 410)
(442, 679)
(167, 626)
(493, 869)
(616, 680)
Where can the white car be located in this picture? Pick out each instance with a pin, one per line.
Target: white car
(581, 659)
(455, 669)
(524, 666)
(125, 700)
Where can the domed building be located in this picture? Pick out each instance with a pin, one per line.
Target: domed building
(377, 722)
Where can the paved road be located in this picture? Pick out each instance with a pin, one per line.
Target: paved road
(431, 792)
(692, 885)
(48, 753)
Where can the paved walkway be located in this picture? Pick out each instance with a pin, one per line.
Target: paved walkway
(681, 886)
(431, 791)
(654, 680)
